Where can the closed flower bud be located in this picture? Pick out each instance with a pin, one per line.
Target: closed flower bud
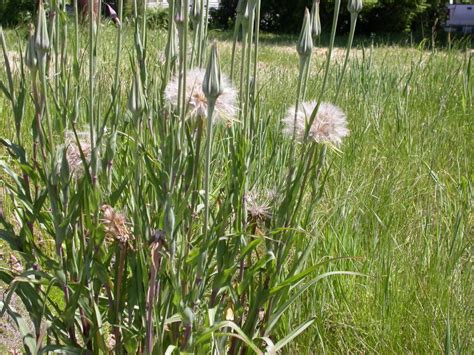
(41, 34)
(179, 15)
(64, 170)
(30, 54)
(305, 41)
(354, 6)
(136, 99)
(196, 11)
(172, 45)
(315, 19)
(188, 316)
(212, 85)
(241, 5)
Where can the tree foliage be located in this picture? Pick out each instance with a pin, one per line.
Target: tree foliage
(377, 16)
(14, 12)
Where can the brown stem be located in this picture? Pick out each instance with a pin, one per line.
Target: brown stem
(156, 247)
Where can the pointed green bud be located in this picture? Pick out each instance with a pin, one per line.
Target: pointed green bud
(30, 54)
(136, 98)
(41, 33)
(241, 5)
(315, 19)
(64, 170)
(196, 11)
(305, 41)
(212, 85)
(354, 6)
(172, 48)
(179, 13)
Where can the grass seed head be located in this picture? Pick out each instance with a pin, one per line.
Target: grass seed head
(329, 126)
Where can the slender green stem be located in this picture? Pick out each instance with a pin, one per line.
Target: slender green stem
(207, 177)
(346, 59)
(337, 6)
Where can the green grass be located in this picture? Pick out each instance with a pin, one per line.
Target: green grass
(397, 204)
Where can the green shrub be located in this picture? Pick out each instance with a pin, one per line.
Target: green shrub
(157, 18)
(14, 12)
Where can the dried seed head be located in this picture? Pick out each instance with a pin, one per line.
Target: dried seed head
(73, 153)
(197, 103)
(315, 20)
(229, 314)
(15, 264)
(354, 6)
(212, 84)
(305, 41)
(41, 33)
(258, 209)
(111, 342)
(115, 225)
(329, 126)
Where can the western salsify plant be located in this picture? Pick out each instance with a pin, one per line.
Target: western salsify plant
(141, 215)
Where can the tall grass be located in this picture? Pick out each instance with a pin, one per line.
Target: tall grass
(139, 252)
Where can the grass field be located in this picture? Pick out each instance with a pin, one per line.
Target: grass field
(397, 200)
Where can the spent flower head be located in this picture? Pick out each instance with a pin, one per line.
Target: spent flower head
(115, 225)
(73, 153)
(197, 103)
(258, 207)
(15, 264)
(329, 126)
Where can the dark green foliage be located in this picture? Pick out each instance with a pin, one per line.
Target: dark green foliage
(376, 17)
(394, 15)
(157, 18)
(14, 12)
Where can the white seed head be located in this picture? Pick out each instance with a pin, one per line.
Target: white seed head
(329, 126)
(197, 103)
